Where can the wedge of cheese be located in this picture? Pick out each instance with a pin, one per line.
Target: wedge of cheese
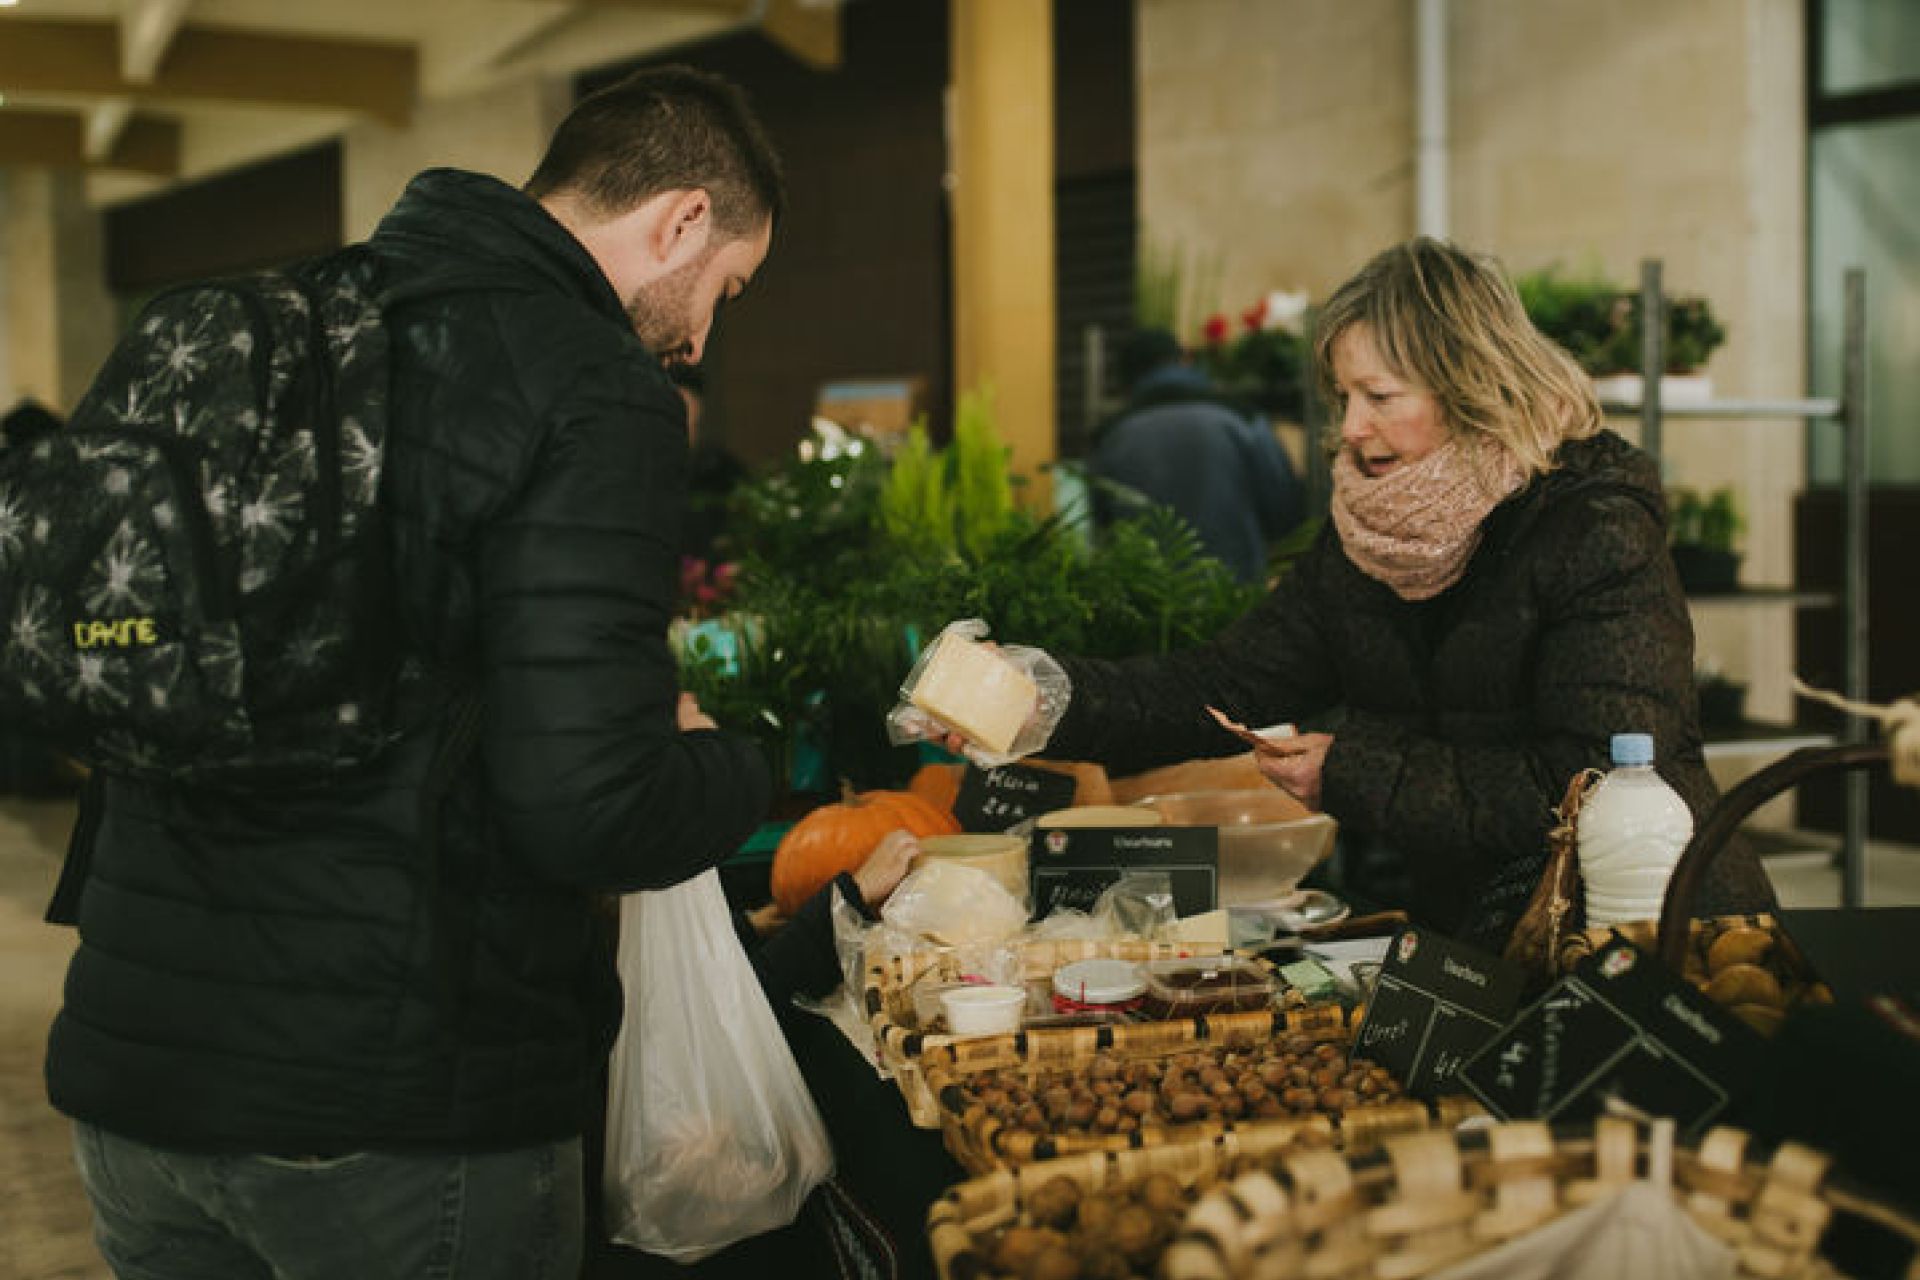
(976, 691)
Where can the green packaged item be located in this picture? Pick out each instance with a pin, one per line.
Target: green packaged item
(1310, 978)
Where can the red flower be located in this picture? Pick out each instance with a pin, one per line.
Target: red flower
(1255, 316)
(1216, 329)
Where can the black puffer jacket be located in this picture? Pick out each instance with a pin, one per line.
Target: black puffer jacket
(389, 962)
(1458, 721)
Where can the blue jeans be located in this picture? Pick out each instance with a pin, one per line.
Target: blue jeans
(162, 1215)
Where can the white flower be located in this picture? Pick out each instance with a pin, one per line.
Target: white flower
(1284, 310)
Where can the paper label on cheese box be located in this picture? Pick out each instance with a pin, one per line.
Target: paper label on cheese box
(1071, 866)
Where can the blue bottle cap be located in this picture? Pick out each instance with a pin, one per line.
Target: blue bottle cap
(1632, 748)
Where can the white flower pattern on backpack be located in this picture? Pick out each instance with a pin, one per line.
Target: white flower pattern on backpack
(13, 526)
(204, 680)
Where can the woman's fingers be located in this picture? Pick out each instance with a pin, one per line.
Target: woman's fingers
(1298, 774)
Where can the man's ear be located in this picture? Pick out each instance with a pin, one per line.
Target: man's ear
(684, 230)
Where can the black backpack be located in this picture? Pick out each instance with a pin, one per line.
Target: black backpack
(193, 574)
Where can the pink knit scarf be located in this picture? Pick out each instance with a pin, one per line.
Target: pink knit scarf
(1415, 527)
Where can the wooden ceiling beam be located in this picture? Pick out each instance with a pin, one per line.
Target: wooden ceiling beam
(147, 30)
(216, 65)
(810, 31)
(737, 8)
(57, 140)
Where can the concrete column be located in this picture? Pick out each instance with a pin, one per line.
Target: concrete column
(501, 131)
(59, 321)
(1001, 183)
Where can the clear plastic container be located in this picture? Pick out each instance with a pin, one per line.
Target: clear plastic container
(1182, 988)
(1098, 986)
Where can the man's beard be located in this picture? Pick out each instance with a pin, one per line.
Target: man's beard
(661, 312)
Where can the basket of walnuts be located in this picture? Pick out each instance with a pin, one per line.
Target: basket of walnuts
(1100, 1215)
(1289, 1070)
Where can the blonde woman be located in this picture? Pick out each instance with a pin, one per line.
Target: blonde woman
(1492, 599)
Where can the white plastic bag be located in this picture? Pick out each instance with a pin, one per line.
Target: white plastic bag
(711, 1134)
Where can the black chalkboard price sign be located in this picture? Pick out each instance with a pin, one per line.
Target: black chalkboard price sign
(1437, 1001)
(1618, 1027)
(1072, 866)
(995, 799)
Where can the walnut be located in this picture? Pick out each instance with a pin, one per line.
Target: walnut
(1101, 1261)
(1135, 1233)
(1187, 1106)
(1097, 1211)
(1021, 1245)
(1057, 1263)
(1055, 1202)
(1162, 1193)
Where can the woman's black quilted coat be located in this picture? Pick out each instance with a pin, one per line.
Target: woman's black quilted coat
(1458, 721)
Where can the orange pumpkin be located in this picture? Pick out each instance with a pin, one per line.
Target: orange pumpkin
(937, 784)
(838, 837)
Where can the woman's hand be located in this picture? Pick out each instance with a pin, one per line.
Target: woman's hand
(1298, 772)
(886, 867)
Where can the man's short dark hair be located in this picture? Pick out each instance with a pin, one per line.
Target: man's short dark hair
(666, 129)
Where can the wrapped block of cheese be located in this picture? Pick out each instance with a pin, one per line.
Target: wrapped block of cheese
(969, 687)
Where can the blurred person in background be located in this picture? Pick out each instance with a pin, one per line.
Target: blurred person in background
(1182, 445)
(712, 470)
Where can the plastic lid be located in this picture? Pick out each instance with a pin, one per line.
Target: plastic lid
(1633, 748)
(1099, 981)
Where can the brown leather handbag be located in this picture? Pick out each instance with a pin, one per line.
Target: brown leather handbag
(1557, 903)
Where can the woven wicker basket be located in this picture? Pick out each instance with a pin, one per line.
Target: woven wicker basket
(905, 1050)
(963, 1223)
(1433, 1199)
(980, 1142)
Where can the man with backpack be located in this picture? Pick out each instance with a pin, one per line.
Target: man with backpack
(337, 1008)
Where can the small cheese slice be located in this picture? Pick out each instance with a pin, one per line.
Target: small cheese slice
(976, 691)
(1208, 929)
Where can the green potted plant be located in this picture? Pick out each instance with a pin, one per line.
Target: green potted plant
(850, 564)
(1264, 360)
(1599, 323)
(1704, 533)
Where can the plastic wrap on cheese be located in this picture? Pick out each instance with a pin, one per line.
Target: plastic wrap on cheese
(1005, 701)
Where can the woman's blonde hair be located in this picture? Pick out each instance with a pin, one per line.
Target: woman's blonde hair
(1450, 321)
